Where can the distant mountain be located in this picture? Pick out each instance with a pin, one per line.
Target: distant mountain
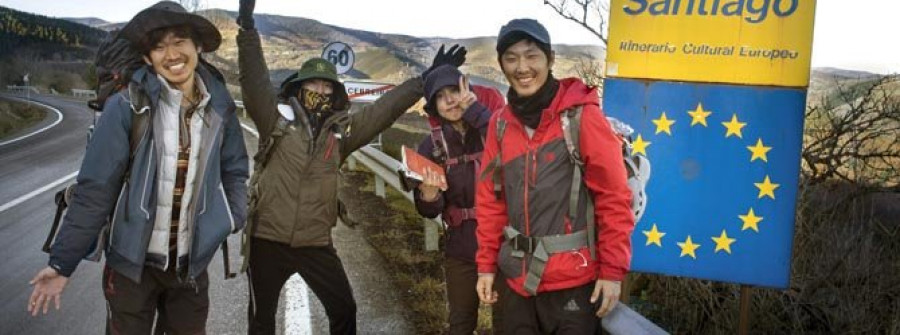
(88, 21)
(832, 85)
(111, 26)
(842, 73)
(97, 23)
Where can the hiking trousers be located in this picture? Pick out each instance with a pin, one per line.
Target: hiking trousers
(562, 312)
(179, 307)
(272, 263)
(462, 276)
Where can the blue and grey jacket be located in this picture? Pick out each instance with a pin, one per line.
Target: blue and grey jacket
(219, 207)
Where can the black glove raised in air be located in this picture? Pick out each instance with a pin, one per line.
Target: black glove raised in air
(245, 14)
(455, 56)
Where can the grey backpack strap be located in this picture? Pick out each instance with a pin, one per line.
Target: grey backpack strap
(571, 127)
(495, 166)
(140, 106)
(140, 121)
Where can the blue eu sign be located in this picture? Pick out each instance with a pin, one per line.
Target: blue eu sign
(726, 160)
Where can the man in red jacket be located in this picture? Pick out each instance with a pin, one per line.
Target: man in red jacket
(564, 259)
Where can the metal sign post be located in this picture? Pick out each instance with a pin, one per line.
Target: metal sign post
(27, 88)
(746, 298)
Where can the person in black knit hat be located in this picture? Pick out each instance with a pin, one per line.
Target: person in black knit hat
(555, 222)
(458, 114)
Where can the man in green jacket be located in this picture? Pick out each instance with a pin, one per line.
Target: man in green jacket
(305, 133)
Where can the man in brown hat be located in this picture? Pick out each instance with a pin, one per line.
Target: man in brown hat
(172, 199)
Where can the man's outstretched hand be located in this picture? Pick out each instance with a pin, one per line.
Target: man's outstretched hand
(455, 56)
(245, 14)
(48, 286)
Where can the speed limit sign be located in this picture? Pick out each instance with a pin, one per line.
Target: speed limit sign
(341, 55)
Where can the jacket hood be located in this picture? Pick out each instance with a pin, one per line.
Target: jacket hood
(573, 92)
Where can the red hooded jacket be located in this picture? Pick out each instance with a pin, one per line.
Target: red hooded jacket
(537, 176)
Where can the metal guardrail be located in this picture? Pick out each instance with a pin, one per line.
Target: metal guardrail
(90, 94)
(23, 89)
(385, 168)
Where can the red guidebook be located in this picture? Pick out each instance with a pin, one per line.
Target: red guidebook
(414, 164)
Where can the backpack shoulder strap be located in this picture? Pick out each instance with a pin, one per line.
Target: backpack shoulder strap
(140, 106)
(266, 149)
(571, 128)
(439, 150)
(494, 168)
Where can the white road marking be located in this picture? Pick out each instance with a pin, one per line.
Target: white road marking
(59, 119)
(37, 192)
(297, 315)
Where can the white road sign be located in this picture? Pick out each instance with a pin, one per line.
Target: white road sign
(341, 55)
(360, 91)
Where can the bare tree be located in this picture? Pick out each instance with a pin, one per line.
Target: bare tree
(852, 136)
(593, 15)
(590, 71)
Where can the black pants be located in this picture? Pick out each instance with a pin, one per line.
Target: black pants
(179, 307)
(462, 298)
(568, 311)
(272, 263)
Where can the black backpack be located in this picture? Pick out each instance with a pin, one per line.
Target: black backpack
(116, 62)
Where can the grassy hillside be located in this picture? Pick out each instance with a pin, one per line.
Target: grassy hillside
(46, 38)
(288, 41)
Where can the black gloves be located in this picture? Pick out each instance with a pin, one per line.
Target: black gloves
(245, 14)
(454, 56)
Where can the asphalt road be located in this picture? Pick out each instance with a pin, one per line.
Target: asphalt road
(27, 166)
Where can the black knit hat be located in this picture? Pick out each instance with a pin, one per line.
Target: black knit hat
(518, 29)
(169, 14)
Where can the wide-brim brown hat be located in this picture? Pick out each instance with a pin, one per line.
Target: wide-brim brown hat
(167, 14)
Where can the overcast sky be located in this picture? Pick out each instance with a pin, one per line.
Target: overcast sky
(857, 34)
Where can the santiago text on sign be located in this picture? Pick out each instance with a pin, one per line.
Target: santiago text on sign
(756, 10)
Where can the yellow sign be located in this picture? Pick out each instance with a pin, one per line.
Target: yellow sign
(753, 42)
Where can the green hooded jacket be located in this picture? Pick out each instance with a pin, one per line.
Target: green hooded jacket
(294, 195)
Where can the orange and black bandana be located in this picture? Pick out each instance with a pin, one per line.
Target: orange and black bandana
(315, 102)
